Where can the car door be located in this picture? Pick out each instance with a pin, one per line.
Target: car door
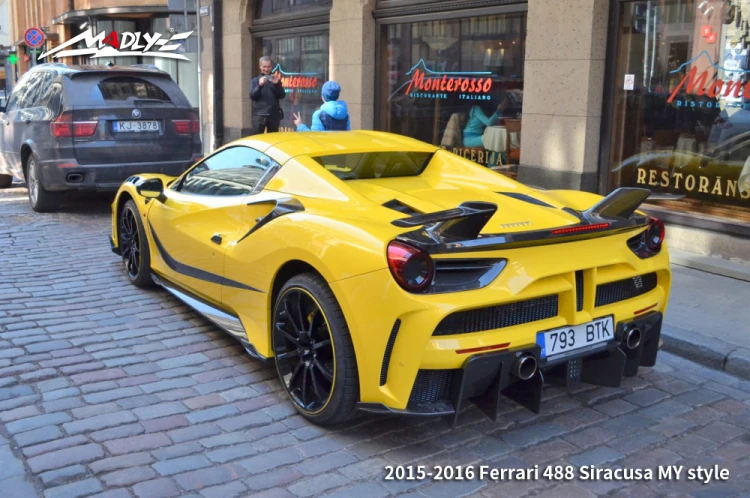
(201, 215)
(7, 132)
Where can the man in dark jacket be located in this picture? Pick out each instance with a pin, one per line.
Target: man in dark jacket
(265, 91)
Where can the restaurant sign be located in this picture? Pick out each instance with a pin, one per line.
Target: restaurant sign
(300, 83)
(706, 84)
(428, 84)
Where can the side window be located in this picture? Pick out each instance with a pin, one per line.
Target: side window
(17, 95)
(233, 171)
(34, 90)
(52, 97)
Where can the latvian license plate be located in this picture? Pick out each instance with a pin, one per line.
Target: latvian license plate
(131, 125)
(567, 339)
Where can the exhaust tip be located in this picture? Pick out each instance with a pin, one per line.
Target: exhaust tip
(633, 338)
(74, 178)
(525, 367)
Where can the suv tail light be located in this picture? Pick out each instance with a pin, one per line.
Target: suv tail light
(190, 126)
(412, 268)
(64, 126)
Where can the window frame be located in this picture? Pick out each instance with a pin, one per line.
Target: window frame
(268, 173)
(684, 218)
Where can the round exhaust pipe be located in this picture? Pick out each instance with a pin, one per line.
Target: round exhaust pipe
(524, 367)
(633, 338)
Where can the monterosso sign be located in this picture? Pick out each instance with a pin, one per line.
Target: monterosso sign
(298, 82)
(703, 84)
(425, 83)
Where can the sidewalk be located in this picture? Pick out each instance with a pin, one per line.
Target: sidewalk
(708, 315)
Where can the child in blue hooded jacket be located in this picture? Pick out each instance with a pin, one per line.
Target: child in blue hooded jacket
(332, 115)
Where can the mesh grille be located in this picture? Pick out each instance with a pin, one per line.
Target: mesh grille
(388, 351)
(579, 290)
(622, 290)
(497, 317)
(431, 386)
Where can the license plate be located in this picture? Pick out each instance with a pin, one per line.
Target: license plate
(573, 337)
(131, 125)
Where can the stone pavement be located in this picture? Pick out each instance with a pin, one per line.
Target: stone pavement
(109, 390)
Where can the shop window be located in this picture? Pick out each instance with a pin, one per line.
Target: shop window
(681, 113)
(269, 7)
(302, 64)
(457, 84)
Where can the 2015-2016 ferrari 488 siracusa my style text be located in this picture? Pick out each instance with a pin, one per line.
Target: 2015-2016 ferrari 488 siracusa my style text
(384, 274)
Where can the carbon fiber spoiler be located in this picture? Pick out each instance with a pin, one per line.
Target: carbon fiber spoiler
(458, 229)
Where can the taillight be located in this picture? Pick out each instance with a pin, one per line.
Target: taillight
(412, 268)
(64, 126)
(187, 126)
(648, 243)
(654, 235)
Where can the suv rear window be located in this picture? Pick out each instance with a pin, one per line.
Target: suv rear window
(370, 165)
(125, 88)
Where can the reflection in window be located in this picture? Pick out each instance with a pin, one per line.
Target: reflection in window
(281, 6)
(371, 165)
(302, 63)
(458, 84)
(673, 131)
(124, 88)
(233, 171)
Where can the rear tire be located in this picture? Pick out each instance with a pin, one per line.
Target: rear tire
(313, 351)
(5, 181)
(41, 200)
(133, 245)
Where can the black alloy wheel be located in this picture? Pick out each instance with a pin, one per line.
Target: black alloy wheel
(134, 246)
(313, 352)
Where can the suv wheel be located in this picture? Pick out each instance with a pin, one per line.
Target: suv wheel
(5, 181)
(41, 200)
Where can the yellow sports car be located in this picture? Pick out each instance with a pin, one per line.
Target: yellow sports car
(384, 274)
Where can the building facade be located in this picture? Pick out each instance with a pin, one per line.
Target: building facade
(62, 20)
(580, 94)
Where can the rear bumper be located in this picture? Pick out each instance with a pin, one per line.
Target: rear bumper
(486, 378)
(66, 174)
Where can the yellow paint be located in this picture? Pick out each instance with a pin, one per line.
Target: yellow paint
(343, 233)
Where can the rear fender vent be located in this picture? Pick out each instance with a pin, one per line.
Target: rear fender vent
(453, 275)
(497, 317)
(401, 207)
(525, 198)
(622, 290)
(388, 351)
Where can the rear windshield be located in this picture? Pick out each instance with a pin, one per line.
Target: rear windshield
(369, 165)
(115, 90)
(126, 88)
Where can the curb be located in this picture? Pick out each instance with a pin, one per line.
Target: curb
(710, 264)
(707, 351)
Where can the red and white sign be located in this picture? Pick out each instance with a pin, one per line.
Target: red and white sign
(34, 37)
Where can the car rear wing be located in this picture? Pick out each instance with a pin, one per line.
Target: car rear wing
(458, 229)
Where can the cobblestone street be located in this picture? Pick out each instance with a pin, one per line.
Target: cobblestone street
(110, 390)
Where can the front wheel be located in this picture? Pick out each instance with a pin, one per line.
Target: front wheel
(133, 245)
(6, 181)
(313, 351)
(41, 200)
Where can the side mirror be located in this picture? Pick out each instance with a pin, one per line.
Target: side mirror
(153, 188)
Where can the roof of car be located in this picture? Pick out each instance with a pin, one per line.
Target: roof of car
(284, 145)
(61, 68)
